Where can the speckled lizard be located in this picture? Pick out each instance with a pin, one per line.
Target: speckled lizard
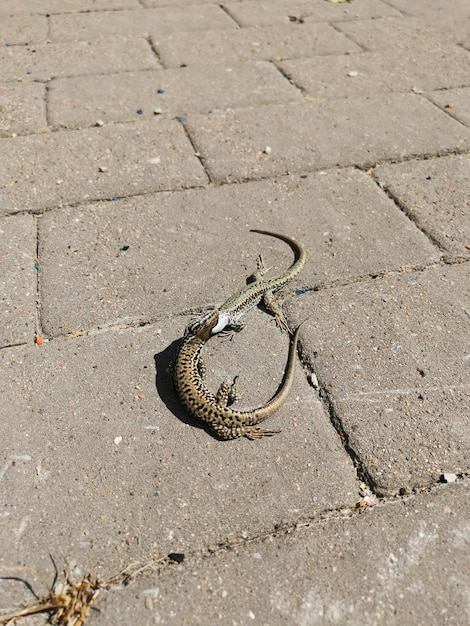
(237, 305)
(227, 423)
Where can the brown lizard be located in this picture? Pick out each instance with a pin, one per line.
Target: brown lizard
(214, 410)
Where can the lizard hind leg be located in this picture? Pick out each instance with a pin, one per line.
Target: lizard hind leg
(235, 432)
(257, 433)
(275, 309)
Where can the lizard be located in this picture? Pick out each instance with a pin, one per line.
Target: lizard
(245, 299)
(214, 410)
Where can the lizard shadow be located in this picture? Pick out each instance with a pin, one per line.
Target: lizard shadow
(165, 388)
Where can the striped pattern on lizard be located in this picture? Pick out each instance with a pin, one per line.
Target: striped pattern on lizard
(245, 299)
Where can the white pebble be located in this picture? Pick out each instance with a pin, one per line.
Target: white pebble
(313, 380)
(449, 477)
(353, 73)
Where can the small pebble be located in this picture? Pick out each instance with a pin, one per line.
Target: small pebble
(99, 123)
(139, 111)
(157, 111)
(448, 477)
(181, 118)
(102, 168)
(313, 380)
(117, 440)
(160, 90)
(353, 73)
(267, 150)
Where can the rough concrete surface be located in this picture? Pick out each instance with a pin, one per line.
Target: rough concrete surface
(267, 43)
(140, 141)
(270, 12)
(362, 131)
(170, 93)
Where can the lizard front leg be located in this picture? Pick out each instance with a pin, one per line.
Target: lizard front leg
(227, 393)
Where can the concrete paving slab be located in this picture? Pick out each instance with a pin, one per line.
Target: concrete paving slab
(392, 356)
(22, 109)
(298, 11)
(368, 73)
(44, 171)
(403, 563)
(163, 3)
(169, 19)
(18, 279)
(14, 7)
(400, 33)
(360, 131)
(22, 29)
(144, 258)
(435, 195)
(268, 43)
(101, 464)
(429, 8)
(80, 101)
(44, 61)
(455, 102)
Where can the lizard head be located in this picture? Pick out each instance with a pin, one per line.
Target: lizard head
(202, 327)
(205, 331)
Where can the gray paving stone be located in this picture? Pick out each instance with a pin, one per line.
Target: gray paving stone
(401, 33)
(435, 193)
(22, 29)
(43, 171)
(45, 61)
(368, 73)
(455, 102)
(173, 256)
(428, 8)
(360, 131)
(18, 279)
(22, 108)
(392, 355)
(116, 97)
(87, 26)
(403, 563)
(100, 466)
(268, 43)
(14, 7)
(272, 12)
(182, 3)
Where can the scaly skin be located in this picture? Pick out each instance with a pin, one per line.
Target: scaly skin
(226, 422)
(237, 305)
